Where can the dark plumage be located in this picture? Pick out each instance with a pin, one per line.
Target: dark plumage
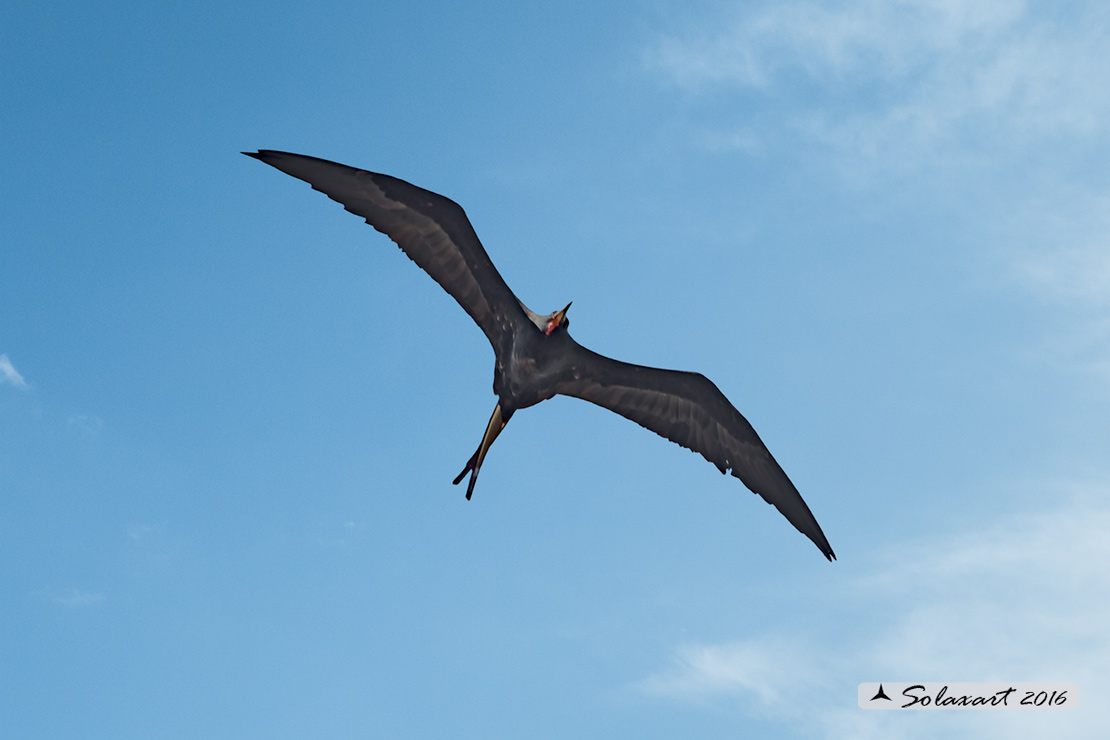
(536, 358)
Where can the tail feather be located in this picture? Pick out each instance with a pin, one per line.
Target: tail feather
(474, 464)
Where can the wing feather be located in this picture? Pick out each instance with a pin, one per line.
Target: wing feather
(431, 229)
(688, 409)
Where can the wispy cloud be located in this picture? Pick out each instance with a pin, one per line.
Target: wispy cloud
(770, 670)
(839, 43)
(91, 425)
(1056, 248)
(340, 535)
(143, 532)
(999, 107)
(76, 599)
(1027, 599)
(8, 373)
(1063, 247)
(904, 80)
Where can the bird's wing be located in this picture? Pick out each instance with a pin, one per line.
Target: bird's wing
(687, 408)
(431, 229)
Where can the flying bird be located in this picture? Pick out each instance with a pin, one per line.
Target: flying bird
(535, 356)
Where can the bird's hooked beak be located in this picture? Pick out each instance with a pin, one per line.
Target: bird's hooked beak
(556, 320)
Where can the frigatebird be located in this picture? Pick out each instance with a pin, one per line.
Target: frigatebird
(535, 356)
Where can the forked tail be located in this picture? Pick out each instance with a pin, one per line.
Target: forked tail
(474, 464)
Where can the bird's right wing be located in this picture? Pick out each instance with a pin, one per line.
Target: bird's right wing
(688, 409)
(431, 229)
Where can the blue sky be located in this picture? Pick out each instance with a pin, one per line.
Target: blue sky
(230, 412)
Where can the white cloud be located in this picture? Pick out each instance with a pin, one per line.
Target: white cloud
(8, 373)
(91, 425)
(904, 80)
(771, 670)
(142, 532)
(1063, 247)
(1025, 600)
(75, 599)
(1000, 109)
(342, 535)
(829, 42)
(1056, 249)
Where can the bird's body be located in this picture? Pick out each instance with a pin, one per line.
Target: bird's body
(535, 356)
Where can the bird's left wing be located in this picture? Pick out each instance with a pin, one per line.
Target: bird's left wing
(431, 229)
(688, 409)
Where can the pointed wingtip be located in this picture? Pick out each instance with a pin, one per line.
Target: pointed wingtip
(269, 155)
(822, 544)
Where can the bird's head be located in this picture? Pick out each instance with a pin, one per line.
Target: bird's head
(556, 320)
